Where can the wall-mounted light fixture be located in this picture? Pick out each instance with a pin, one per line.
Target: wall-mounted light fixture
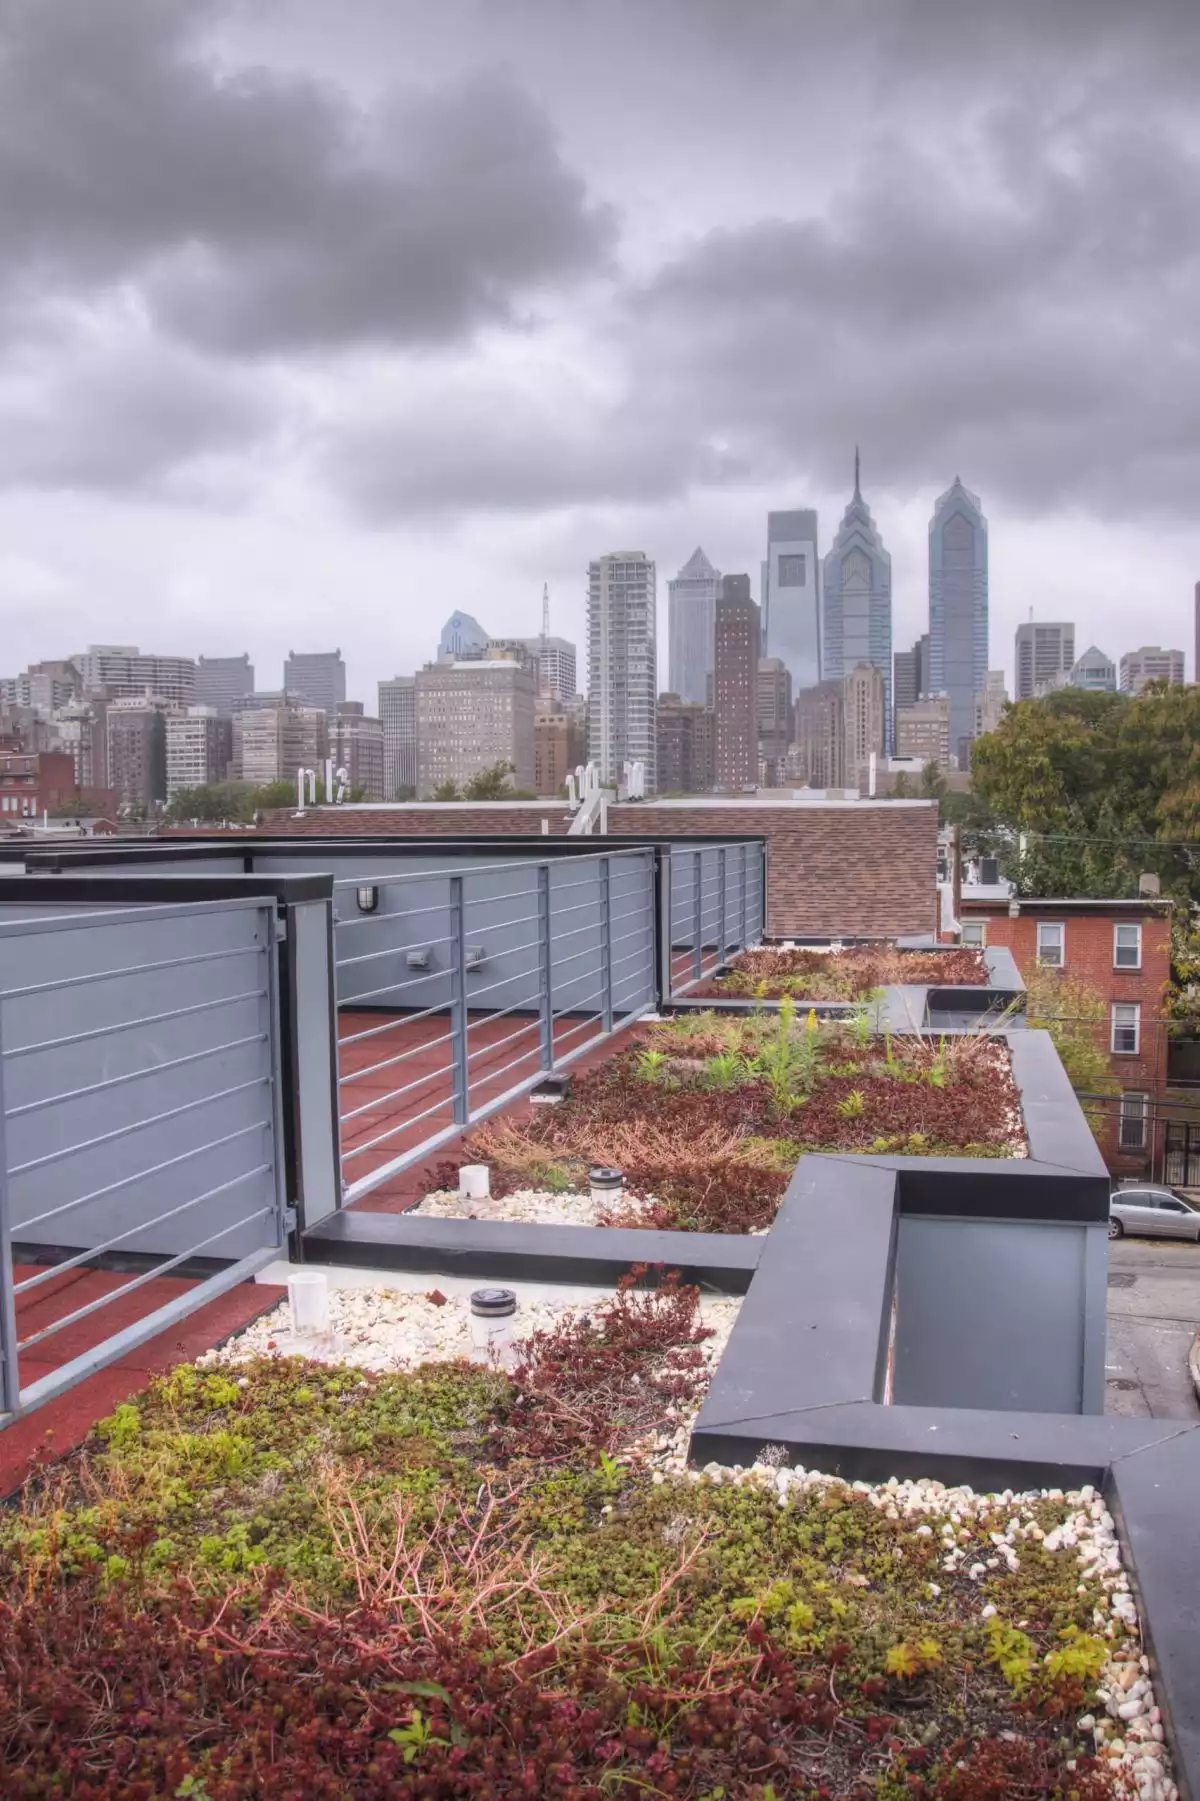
(367, 898)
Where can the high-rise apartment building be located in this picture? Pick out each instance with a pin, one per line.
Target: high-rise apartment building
(271, 743)
(923, 730)
(857, 599)
(554, 660)
(958, 609)
(774, 718)
(224, 682)
(199, 749)
(137, 752)
(865, 709)
(910, 669)
(622, 599)
(735, 684)
(1150, 664)
(317, 676)
(990, 703)
(1045, 654)
(472, 715)
(1095, 671)
(559, 743)
(817, 757)
(791, 593)
(691, 626)
(462, 636)
(81, 728)
(398, 717)
(356, 744)
(122, 672)
(686, 745)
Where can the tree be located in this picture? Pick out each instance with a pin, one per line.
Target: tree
(447, 791)
(495, 784)
(933, 782)
(1075, 1016)
(903, 789)
(406, 791)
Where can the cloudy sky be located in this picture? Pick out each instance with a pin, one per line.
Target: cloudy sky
(319, 318)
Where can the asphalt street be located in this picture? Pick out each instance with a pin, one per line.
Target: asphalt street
(1153, 1316)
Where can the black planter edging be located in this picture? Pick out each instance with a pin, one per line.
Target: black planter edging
(718, 1263)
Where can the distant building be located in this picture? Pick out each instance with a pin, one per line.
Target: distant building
(398, 717)
(910, 671)
(462, 636)
(81, 729)
(33, 782)
(691, 626)
(224, 682)
(472, 715)
(923, 730)
(1150, 664)
(137, 752)
(122, 672)
(622, 598)
(864, 706)
(990, 703)
(857, 600)
(817, 757)
(271, 743)
(317, 676)
(559, 744)
(774, 718)
(1045, 655)
(735, 684)
(958, 609)
(43, 688)
(199, 749)
(554, 662)
(791, 595)
(686, 745)
(356, 744)
(1095, 671)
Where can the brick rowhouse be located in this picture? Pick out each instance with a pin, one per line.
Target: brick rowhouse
(1122, 950)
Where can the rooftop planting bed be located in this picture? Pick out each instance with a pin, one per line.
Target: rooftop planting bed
(318, 1583)
(853, 974)
(706, 1115)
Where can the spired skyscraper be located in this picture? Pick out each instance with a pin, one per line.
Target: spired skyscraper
(958, 610)
(691, 622)
(858, 600)
(791, 595)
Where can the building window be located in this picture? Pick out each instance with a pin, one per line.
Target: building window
(792, 571)
(1126, 1028)
(1127, 947)
(974, 931)
(1051, 943)
(1132, 1131)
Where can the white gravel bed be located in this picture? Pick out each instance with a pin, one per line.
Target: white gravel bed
(1126, 1724)
(529, 1206)
(382, 1329)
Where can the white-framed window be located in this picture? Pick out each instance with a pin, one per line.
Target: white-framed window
(1126, 1028)
(1127, 947)
(1052, 943)
(974, 931)
(1131, 1134)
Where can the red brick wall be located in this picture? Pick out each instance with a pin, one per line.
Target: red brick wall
(858, 870)
(1088, 948)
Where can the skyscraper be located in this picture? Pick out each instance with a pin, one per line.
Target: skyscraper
(691, 626)
(622, 596)
(792, 595)
(1096, 671)
(858, 599)
(774, 717)
(685, 746)
(317, 676)
(462, 636)
(398, 717)
(223, 681)
(1045, 653)
(199, 748)
(910, 670)
(990, 703)
(123, 672)
(472, 715)
(958, 610)
(735, 684)
(1150, 664)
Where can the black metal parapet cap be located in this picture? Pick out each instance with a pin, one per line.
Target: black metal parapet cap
(142, 889)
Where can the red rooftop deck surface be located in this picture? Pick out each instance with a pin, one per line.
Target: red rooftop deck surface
(64, 1423)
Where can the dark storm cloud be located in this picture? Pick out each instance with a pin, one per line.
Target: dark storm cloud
(258, 210)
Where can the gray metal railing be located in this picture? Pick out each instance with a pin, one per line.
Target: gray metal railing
(140, 1127)
(714, 898)
(491, 975)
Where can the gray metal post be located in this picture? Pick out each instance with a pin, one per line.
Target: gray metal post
(606, 956)
(458, 1004)
(10, 1374)
(743, 928)
(722, 883)
(698, 915)
(664, 886)
(545, 993)
(272, 933)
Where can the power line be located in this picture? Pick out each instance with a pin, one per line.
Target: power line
(1092, 838)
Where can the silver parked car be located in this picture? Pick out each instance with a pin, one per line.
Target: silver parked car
(1152, 1212)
